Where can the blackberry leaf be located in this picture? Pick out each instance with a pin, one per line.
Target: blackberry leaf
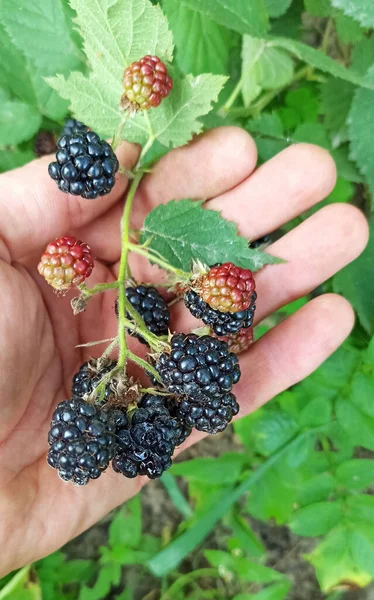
(115, 36)
(182, 231)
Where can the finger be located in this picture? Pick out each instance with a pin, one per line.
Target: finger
(212, 164)
(315, 250)
(281, 189)
(34, 211)
(293, 349)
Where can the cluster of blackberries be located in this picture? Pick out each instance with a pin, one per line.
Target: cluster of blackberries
(84, 437)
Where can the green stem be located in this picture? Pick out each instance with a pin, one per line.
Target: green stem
(100, 287)
(267, 97)
(122, 273)
(14, 582)
(117, 138)
(238, 88)
(153, 341)
(326, 35)
(159, 261)
(181, 582)
(144, 365)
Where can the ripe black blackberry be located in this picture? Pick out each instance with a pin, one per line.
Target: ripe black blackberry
(85, 165)
(82, 439)
(146, 444)
(221, 323)
(72, 126)
(89, 376)
(211, 415)
(151, 306)
(198, 366)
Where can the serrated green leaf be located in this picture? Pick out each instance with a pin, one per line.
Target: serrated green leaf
(276, 8)
(38, 28)
(15, 157)
(356, 474)
(114, 35)
(242, 16)
(222, 470)
(305, 101)
(362, 546)
(202, 45)
(316, 519)
(347, 29)
(318, 8)
(316, 488)
(316, 412)
(360, 10)
(360, 507)
(334, 563)
(346, 167)
(182, 231)
(25, 81)
(357, 284)
(18, 121)
(245, 569)
(358, 426)
(126, 526)
(361, 130)
(312, 133)
(271, 430)
(109, 574)
(362, 55)
(321, 61)
(336, 97)
(263, 67)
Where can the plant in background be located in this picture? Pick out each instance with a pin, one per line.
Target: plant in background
(286, 71)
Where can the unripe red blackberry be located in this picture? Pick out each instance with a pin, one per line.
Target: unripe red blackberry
(146, 83)
(228, 288)
(66, 262)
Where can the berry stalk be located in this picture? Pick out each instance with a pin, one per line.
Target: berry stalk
(123, 268)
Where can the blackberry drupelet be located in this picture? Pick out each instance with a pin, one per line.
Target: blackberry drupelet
(85, 165)
(211, 415)
(72, 126)
(221, 323)
(198, 366)
(88, 377)
(82, 439)
(145, 446)
(151, 306)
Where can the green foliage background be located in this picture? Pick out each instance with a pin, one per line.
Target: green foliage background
(287, 71)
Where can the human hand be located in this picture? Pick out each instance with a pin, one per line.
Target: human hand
(38, 333)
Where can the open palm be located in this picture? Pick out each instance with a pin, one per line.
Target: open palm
(39, 334)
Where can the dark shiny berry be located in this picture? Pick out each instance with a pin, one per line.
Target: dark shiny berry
(82, 439)
(221, 323)
(88, 377)
(72, 126)
(188, 369)
(85, 165)
(210, 415)
(151, 306)
(146, 444)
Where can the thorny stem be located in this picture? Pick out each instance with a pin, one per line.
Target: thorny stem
(254, 110)
(125, 228)
(144, 365)
(100, 287)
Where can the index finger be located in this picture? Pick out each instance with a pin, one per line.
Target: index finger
(33, 211)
